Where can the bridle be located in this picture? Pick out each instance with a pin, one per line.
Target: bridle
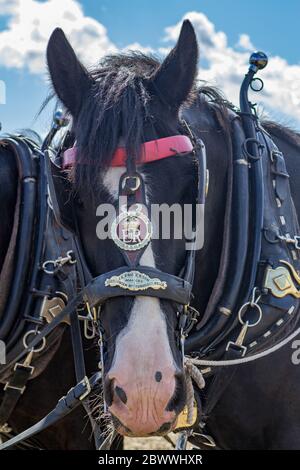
(129, 280)
(133, 279)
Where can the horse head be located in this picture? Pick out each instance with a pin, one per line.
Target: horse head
(130, 99)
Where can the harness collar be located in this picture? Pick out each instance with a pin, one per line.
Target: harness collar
(150, 151)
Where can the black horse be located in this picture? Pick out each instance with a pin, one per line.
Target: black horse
(130, 99)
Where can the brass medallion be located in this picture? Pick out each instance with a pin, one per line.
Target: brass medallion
(132, 230)
(135, 281)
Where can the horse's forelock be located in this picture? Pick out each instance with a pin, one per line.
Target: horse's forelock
(117, 105)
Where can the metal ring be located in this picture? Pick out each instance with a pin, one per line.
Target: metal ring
(33, 332)
(274, 240)
(256, 79)
(253, 141)
(244, 307)
(137, 182)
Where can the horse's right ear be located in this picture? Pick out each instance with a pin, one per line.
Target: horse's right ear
(175, 77)
(69, 77)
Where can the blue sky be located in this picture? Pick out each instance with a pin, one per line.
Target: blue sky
(269, 25)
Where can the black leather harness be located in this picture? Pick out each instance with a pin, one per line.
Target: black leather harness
(261, 308)
(44, 279)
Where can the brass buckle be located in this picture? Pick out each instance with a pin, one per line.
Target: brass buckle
(24, 366)
(8, 386)
(236, 346)
(182, 422)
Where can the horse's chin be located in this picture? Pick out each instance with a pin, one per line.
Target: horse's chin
(125, 432)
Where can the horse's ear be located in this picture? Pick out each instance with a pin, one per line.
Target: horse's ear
(70, 79)
(175, 77)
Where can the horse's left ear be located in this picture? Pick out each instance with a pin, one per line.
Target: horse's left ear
(175, 77)
(69, 77)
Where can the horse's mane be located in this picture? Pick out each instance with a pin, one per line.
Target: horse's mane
(283, 132)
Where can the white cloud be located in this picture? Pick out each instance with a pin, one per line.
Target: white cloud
(8, 6)
(23, 43)
(245, 42)
(225, 67)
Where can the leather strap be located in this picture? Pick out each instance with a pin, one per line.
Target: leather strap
(13, 390)
(77, 346)
(280, 173)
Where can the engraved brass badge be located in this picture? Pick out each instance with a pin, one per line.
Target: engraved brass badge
(135, 281)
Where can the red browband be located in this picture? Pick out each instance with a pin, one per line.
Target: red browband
(151, 151)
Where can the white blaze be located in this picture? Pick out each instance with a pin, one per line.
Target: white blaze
(147, 323)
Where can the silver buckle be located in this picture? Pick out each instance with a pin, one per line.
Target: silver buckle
(275, 152)
(86, 381)
(13, 387)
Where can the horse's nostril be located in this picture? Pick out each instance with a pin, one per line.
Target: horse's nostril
(121, 394)
(158, 376)
(178, 399)
(108, 391)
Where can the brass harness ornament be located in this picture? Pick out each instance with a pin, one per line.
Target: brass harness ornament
(281, 281)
